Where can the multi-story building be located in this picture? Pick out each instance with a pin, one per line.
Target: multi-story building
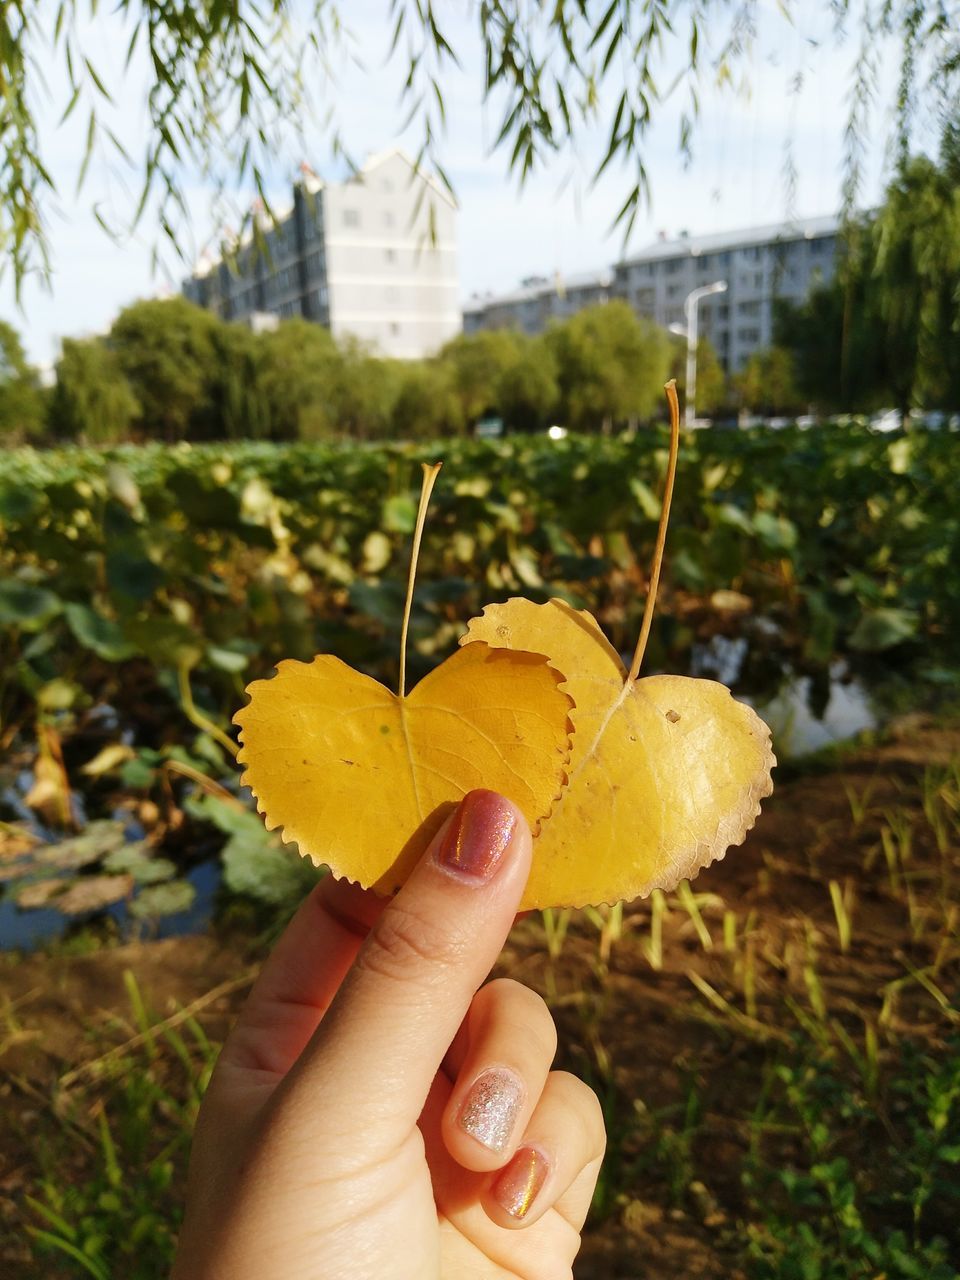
(373, 258)
(760, 265)
(536, 302)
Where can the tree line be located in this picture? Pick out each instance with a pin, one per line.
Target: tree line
(169, 370)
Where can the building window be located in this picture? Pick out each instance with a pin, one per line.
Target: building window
(387, 218)
(351, 217)
(394, 329)
(674, 265)
(390, 255)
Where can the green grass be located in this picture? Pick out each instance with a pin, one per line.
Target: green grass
(111, 1172)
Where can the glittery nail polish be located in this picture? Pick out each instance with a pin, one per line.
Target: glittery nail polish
(477, 837)
(491, 1108)
(521, 1182)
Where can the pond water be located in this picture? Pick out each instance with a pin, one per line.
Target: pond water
(797, 731)
(803, 717)
(27, 930)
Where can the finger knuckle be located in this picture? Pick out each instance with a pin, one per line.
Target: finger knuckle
(508, 1005)
(581, 1100)
(406, 940)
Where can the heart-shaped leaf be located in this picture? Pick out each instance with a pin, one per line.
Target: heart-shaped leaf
(665, 773)
(362, 778)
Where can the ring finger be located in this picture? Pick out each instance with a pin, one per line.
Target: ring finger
(501, 1061)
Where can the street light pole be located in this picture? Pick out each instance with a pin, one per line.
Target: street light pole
(690, 310)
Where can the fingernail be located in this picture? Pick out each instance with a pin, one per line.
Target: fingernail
(490, 1109)
(478, 835)
(520, 1183)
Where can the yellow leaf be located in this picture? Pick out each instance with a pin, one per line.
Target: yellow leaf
(108, 758)
(362, 778)
(665, 772)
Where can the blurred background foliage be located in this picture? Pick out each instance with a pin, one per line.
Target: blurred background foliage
(131, 574)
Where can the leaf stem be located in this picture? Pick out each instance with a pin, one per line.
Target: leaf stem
(671, 390)
(430, 473)
(196, 716)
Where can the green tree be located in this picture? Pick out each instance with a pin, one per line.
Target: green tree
(886, 329)
(166, 348)
(92, 400)
(611, 365)
(364, 393)
(238, 405)
(767, 383)
(917, 285)
(528, 389)
(297, 371)
(834, 338)
(477, 362)
(712, 391)
(426, 405)
(21, 399)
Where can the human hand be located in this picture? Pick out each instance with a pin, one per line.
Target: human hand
(373, 1116)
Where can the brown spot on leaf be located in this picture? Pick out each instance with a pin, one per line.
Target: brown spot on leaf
(673, 716)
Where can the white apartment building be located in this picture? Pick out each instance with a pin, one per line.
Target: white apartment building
(373, 258)
(760, 266)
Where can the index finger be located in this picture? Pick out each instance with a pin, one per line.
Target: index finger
(300, 978)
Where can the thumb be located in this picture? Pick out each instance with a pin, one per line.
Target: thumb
(377, 1050)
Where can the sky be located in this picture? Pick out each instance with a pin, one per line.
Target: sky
(560, 221)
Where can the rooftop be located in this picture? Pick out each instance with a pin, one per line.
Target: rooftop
(541, 287)
(678, 246)
(308, 180)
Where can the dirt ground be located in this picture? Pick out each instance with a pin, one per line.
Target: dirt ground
(631, 1030)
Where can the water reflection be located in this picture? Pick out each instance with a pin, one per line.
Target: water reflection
(804, 712)
(800, 725)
